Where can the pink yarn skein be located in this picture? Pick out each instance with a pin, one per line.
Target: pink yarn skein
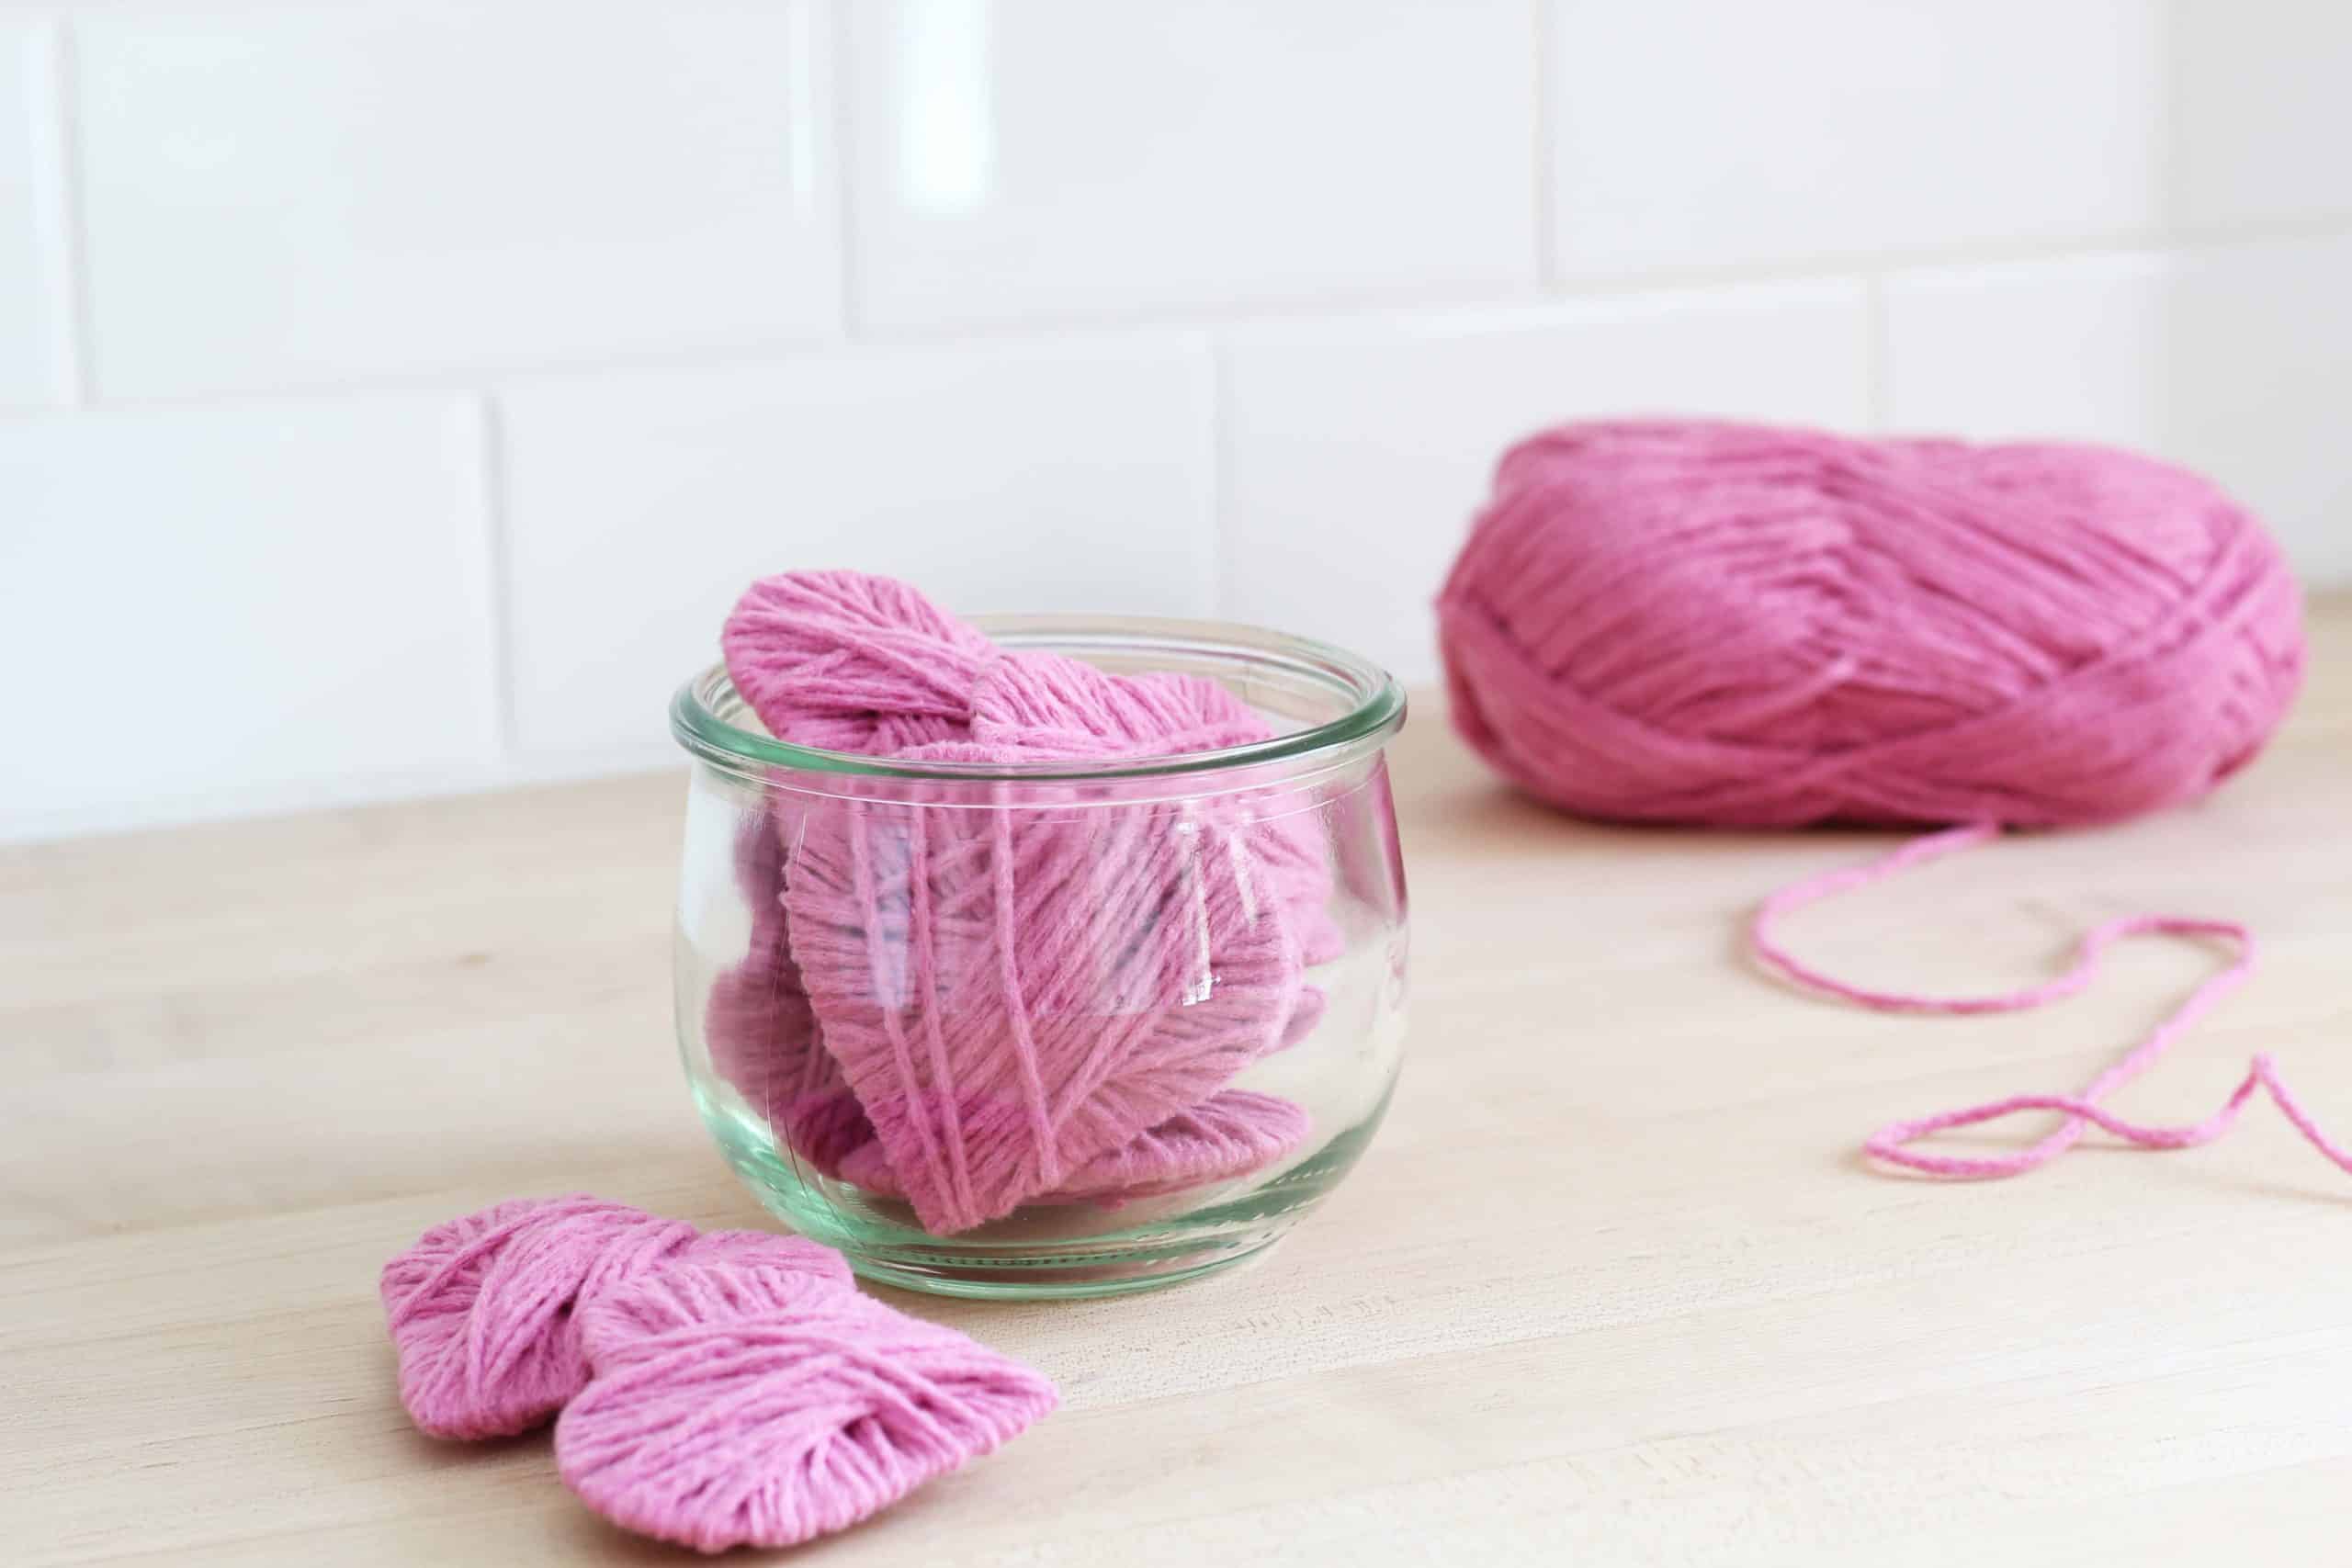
(1041, 993)
(1722, 624)
(1728, 625)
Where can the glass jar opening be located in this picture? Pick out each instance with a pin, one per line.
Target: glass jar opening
(1325, 704)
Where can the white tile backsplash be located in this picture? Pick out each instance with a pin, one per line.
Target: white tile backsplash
(1010, 478)
(296, 194)
(199, 604)
(34, 289)
(2235, 360)
(1700, 135)
(1068, 158)
(2259, 128)
(431, 374)
(1356, 455)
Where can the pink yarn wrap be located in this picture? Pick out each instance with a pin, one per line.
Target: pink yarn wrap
(1892, 1143)
(976, 995)
(1736, 625)
(717, 1390)
(755, 1407)
(481, 1309)
(1730, 625)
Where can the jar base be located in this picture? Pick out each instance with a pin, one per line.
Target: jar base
(1035, 1258)
(1120, 1273)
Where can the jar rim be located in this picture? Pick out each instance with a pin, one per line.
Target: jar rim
(1376, 709)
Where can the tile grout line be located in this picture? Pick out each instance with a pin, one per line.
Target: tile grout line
(1547, 259)
(490, 426)
(1218, 442)
(1878, 393)
(63, 240)
(841, 112)
(1371, 310)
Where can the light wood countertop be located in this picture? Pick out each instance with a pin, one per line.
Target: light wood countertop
(1612, 1285)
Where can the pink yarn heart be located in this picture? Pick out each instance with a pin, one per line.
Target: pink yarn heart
(481, 1308)
(1043, 705)
(762, 1034)
(1228, 1135)
(1012, 993)
(997, 1040)
(852, 663)
(761, 1028)
(757, 1406)
(849, 662)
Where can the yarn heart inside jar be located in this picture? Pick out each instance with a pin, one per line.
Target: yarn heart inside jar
(1039, 937)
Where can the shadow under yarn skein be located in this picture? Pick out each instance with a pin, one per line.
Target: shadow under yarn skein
(1730, 625)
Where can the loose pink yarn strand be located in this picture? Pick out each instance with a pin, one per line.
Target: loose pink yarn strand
(1891, 1143)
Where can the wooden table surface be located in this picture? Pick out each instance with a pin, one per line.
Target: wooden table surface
(1612, 1286)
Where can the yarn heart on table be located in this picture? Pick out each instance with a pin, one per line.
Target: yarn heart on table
(748, 1405)
(482, 1309)
(1031, 981)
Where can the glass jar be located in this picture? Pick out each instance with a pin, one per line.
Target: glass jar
(1055, 1029)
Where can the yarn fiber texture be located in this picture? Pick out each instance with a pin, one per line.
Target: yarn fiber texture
(1029, 992)
(717, 1390)
(1725, 624)
(758, 1407)
(482, 1309)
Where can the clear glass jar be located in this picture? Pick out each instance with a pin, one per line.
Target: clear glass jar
(1055, 1029)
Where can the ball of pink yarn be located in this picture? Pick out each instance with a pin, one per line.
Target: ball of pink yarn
(743, 1405)
(1715, 623)
(482, 1308)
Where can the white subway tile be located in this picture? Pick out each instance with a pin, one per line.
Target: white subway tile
(1695, 135)
(34, 292)
(1357, 454)
(1069, 158)
(996, 480)
(200, 603)
(2260, 119)
(299, 194)
(2235, 360)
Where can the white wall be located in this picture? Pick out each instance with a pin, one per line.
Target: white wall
(394, 395)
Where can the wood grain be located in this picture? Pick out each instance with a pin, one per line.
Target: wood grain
(1613, 1286)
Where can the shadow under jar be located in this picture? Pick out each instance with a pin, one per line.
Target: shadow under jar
(1058, 1029)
